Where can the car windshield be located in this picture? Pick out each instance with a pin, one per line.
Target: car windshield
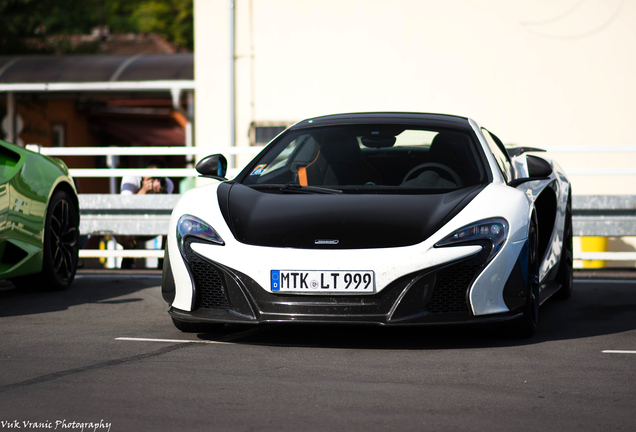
(367, 159)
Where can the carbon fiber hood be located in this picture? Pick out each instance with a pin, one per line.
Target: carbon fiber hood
(346, 221)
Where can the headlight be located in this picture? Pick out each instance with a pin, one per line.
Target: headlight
(495, 230)
(189, 225)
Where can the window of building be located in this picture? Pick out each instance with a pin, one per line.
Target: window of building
(262, 133)
(59, 135)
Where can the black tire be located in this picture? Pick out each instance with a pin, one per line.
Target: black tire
(565, 273)
(190, 327)
(527, 324)
(60, 247)
(61, 243)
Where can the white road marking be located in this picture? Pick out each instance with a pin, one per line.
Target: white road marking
(226, 340)
(618, 352)
(170, 340)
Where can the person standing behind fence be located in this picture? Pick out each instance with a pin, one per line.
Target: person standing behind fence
(138, 185)
(131, 185)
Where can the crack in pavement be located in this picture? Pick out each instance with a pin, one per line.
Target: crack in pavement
(56, 375)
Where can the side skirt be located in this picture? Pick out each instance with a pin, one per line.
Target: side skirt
(548, 290)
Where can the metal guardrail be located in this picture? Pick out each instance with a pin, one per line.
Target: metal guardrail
(604, 216)
(592, 215)
(142, 215)
(137, 215)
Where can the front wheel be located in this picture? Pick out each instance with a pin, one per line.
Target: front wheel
(526, 325)
(60, 246)
(565, 273)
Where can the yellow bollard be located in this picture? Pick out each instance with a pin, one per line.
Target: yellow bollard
(102, 246)
(593, 244)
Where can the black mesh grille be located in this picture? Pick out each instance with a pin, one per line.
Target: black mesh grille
(207, 282)
(449, 294)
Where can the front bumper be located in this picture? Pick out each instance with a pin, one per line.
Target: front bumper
(437, 295)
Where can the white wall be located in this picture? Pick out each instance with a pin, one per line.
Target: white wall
(212, 72)
(539, 73)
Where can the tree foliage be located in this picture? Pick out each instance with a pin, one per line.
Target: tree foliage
(29, 26)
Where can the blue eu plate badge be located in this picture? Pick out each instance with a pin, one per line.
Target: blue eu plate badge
(275, 275)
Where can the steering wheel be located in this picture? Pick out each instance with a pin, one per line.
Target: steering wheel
(435, 167)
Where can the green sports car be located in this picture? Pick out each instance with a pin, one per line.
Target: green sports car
(39, 220)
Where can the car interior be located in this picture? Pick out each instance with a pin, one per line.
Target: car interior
(384, 158)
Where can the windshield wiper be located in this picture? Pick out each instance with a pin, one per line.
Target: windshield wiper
(295, 188)
(308, 189)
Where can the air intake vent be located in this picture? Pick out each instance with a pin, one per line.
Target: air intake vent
(208, 284)
(449, 294)
(12, 254)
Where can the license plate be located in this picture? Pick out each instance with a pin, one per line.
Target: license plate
(315, 281)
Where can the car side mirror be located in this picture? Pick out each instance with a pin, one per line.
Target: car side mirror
(213, 166)
(538, 169)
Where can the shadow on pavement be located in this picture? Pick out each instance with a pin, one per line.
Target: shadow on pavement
(595, 308)
(88, 287)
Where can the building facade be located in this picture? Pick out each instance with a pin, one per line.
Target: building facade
(552, 74)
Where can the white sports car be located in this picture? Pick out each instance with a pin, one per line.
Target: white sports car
(384, 218)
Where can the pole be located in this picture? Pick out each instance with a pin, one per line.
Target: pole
(232, 80)
(11, 135)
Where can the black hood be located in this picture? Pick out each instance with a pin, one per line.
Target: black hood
(337, 221)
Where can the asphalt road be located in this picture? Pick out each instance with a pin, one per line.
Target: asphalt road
(104, 355)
